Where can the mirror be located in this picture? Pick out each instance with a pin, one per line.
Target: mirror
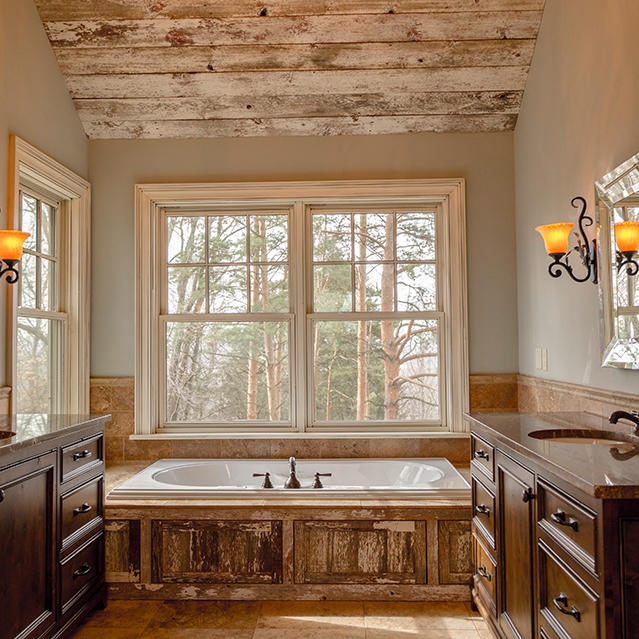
(617, 202)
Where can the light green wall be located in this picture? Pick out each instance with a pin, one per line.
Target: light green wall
(485, 160)
(34, 104)
(579, 120)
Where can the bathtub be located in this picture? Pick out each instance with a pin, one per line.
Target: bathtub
(355, 479)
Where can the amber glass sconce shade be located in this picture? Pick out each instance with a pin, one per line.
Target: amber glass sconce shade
(556, 237)
(11, 243)
(627, 236)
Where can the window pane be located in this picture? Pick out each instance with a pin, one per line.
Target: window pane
(375, 287)
(415, 236)
(227, 238)
(269, 289)
(187, 289)
(39, 370)
(228, 291)
(28, 268)
(269, 238)
(47, 226)
(333, 288)
(186, 239)
(331, 237)
(29, 222)
(376, 370)
(227, 371)
(416, 287)
(374, 235)
(47, 284)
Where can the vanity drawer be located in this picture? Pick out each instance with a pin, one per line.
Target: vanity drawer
(81, 456)
(484, 511)
(80, 508)
(565, 601)
(571, 524)
(485, 575)
(482, 456)
(81, 570)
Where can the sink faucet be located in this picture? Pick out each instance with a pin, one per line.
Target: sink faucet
(292, 481)
(632, 416)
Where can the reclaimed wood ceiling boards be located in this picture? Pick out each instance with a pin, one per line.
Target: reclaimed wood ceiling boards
(228, 68)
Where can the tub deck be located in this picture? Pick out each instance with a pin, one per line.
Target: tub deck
(274, 550)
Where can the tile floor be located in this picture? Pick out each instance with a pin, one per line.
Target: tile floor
(282, 620)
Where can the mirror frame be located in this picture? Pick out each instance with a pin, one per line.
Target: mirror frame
(611, 189)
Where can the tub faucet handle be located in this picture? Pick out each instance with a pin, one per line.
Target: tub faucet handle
(267, 479)
(318, 483)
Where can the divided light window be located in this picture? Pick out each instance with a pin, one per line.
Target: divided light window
(344, 333)
(40, 324)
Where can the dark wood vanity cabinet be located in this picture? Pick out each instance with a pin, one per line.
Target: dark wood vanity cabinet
(51, 527)
(561, 564)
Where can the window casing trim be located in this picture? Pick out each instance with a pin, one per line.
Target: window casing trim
(29, 166)
(151, 202)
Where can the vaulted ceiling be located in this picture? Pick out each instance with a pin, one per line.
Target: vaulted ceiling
(229, 68)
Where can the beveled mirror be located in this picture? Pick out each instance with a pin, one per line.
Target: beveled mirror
(618, 235)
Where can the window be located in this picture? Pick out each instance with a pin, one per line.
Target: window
(301, 308)
(40, 324)
(48, 309)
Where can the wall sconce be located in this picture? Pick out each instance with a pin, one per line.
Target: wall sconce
(627, 236)
(10, 253)
(556, 238)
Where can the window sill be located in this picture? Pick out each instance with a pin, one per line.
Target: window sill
(284, 435)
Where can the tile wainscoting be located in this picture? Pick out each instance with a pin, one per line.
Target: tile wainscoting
(116, 396)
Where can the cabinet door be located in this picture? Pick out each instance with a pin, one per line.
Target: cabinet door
(27, 562)
(515, 547)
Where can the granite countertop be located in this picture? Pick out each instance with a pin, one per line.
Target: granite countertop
(593, 468)
(37, 428)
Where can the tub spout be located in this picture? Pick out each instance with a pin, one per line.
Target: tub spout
(292, 481)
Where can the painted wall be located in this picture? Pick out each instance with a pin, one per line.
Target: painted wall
(485, 160)
(579, 120)
(34, 104)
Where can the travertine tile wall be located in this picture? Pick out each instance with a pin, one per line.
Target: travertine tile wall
(116, 396)
(545, 395)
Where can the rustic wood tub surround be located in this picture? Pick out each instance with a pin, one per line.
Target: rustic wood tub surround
(193, 69)
(254, 549)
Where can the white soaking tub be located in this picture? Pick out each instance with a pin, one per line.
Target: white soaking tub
(354, 479)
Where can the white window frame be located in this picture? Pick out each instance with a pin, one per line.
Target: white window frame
(151, 204)
(30, 167)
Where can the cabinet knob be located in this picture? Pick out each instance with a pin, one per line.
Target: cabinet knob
(526, 495)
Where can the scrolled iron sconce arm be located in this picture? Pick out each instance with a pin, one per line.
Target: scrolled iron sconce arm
(11, 271)
(627, 259)
(587, 250)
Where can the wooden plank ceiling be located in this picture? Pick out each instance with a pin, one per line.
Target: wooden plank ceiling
(229, 68)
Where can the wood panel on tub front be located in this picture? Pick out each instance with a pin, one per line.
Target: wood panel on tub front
(381, 553)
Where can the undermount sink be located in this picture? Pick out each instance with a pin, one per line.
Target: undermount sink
(584, 436)
(6, 433)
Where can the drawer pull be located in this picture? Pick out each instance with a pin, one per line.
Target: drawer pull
(559, 517)
(481, 454)
(482, 572)
(83, 455)
(85, 508)
(85, 570)
(526, 495)
(562, 601)
(482, 510)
